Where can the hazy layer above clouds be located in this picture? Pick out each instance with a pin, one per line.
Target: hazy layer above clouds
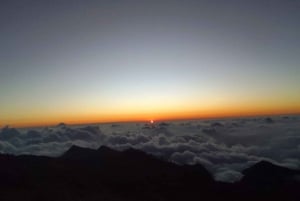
(225, 147)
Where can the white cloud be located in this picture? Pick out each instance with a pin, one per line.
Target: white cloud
(227, 175)
(225, 147)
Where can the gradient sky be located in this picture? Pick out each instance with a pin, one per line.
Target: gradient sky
(94, 61)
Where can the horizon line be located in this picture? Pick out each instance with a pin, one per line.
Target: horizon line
(36, 125)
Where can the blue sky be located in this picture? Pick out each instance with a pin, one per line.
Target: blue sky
(98, 59)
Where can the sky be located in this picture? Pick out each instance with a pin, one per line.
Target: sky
(104, 61)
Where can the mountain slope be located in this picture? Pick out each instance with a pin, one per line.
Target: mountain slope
(107, 174)
(270, 181)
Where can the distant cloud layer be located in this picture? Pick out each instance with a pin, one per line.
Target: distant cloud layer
(225, 147)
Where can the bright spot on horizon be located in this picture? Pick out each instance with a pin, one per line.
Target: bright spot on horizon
(151, 121)
(124, 61)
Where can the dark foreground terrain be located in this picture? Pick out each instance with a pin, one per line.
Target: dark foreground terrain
(83, 174)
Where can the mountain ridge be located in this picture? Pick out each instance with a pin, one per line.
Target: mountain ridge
(104, 173)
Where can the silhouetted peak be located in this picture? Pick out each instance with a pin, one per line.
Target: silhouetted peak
(217, 124)
(107, 153)
(265, 166)
(77, 152)
(85, 171)
(76, 148)
(269, 120)
(61, 125)
(264, 163)
(8, 128)
(163, 124)
(267, 173)
(105, 149)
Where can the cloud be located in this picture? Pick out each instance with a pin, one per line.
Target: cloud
(48, 141)
(9, 133)
(186, 157)
(227, 175)
(225, 147)
(6, 147)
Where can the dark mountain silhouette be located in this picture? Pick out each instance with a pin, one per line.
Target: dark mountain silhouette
(62, 124)
(79, 153)
(107, 174)
(265, 179)
(264, 172)
(269, 120)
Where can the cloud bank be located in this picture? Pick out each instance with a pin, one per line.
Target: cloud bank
(224, 147)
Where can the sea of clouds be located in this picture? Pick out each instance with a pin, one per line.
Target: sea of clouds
(225, 147)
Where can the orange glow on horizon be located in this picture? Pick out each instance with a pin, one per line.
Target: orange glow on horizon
(149, 117)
